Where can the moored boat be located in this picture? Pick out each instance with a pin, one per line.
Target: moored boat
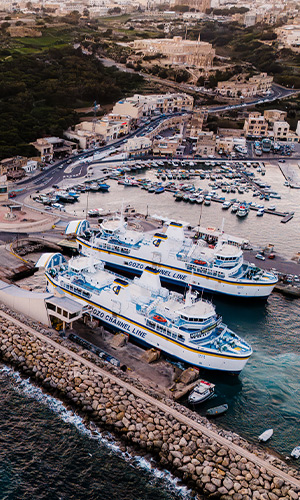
(217, 410)
(187, 328)
(177, 257)
(201, 392)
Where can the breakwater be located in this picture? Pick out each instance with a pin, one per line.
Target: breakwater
(217, 463)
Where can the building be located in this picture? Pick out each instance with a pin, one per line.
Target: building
(137, 146)
(178, 51)
(199, 5)
(255, 125)
(108, 128)
(53, 147)
(275, 115)
(227, 143)
(3, 188)
(12, 168)
(30, 166)
(243, 88)
(289, 36)
(139, 106)
(281, 130)
(167, 146)
(206, 144)
(85, 138)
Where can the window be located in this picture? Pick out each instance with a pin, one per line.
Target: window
(65, 314)
(58, 310)
(52, 307)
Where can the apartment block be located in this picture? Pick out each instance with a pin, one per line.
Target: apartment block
(281, 130)
(255, 125)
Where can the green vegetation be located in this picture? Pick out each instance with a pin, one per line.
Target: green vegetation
(246, 45)
(40, 91)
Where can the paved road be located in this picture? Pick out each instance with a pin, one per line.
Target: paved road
(259, 462)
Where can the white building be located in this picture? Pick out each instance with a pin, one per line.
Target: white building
(281, 131)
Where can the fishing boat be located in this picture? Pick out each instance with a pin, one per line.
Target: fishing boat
(201, 392)
(186, 328)
(217, 267)
(159, 189)
(217, 410)
(266, 435)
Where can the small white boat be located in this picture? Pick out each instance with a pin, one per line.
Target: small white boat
(295, 453)
(266, 435)
(203, 391)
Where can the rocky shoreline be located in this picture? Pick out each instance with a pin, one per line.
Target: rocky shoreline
(215, 462)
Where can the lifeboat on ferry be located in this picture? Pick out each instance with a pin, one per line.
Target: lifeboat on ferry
(200, 262)
(160, 319)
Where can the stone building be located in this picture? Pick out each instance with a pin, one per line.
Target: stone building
(139, 106)
(275, 115)
(199, 5)
(240, 87)
(179, 51)
(255, 125)
(12, 168)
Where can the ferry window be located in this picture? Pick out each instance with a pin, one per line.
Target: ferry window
(52, 307)
(58, 310)
(73, 315)
(65, 314)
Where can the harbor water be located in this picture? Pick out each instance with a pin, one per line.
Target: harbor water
(48, 453)
(260, 231)
(266, 394)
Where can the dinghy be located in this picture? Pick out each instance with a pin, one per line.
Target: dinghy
(265, 436)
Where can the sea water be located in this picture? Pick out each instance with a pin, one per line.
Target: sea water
(47, 452)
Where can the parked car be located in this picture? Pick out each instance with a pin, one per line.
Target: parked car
(260, 256)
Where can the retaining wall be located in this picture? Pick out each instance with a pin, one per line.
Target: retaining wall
(217, 463)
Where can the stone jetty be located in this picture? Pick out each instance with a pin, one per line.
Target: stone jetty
(215, 462)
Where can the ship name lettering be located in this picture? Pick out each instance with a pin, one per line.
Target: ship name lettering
(164, 272)
(179, 276)
(140, 333)
(136, 264)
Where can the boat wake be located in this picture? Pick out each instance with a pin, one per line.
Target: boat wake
(26, 388)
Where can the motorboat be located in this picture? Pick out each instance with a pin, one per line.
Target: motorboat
(242, 211)
(295, 453)
(266, 435)
(201, 392)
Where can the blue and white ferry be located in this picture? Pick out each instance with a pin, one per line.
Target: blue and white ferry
(218, 267)
(187, 329)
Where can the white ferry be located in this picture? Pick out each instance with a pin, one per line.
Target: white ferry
(217, 267)
(187, 329)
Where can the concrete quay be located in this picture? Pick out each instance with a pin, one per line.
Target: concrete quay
(217, 463)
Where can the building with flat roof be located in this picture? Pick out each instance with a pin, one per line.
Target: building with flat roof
(178, 51)
(275, 115)
(255, 125)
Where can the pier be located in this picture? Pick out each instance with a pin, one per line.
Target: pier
(290, 174)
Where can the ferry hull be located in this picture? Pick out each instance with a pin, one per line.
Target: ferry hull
(178, 276)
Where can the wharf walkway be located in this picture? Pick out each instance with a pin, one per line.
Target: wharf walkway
(259, 462)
